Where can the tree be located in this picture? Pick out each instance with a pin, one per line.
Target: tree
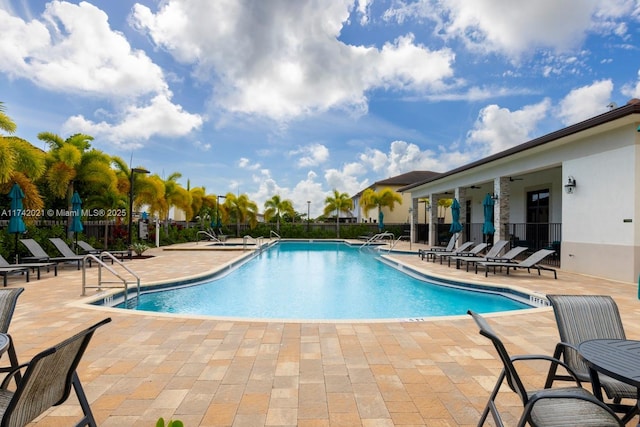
(240, 208)
(6, 123)
(21, 163)
(275, 207)
(339, 202)
(379, 199)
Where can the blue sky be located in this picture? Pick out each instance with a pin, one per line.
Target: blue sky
(298, 98)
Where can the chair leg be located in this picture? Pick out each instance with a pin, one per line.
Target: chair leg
(491, 404)
(88, 419)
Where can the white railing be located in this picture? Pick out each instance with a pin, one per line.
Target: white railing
(124, 283)
(378, 238)
(273, 233)
(257, 241)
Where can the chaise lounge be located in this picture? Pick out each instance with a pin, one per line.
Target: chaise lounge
(533, 261)
(88, 249)
(34, 266)
(493, 252)
(39, 254)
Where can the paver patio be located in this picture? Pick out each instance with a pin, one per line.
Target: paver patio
(227, 372)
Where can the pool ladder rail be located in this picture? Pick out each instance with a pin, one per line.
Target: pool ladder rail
(209, 236)
(259, 242)
(380, 237)
(123, 281)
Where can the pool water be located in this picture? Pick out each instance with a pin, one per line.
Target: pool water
(321, 280)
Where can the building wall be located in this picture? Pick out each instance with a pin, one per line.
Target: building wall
(600, 227)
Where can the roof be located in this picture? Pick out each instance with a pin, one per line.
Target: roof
(403, 179)
(632, 107)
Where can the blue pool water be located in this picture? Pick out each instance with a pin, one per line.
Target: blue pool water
(321, 280)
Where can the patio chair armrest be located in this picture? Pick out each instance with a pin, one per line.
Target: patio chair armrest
(10, 374)
(552, 361)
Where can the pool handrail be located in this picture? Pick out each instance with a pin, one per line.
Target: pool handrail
(101, 264)
(258, 241)
(209, 235)
(273, 233)
(377, 237)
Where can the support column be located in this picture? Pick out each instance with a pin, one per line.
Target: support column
(414, 220)
(433, 220)
(502, 188)
(461, 194)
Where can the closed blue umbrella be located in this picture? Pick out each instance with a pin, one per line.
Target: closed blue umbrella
(487, 204)
(76, 220)
(16, 223)
(456, 227)
(380, 220)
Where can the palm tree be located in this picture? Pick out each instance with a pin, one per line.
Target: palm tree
(6, 123)
(276, 207)
(20, 162)
(242, 209)
(378, 199)
(339, 202)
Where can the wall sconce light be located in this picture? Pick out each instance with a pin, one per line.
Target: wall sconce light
(494, 197)
(570, 186)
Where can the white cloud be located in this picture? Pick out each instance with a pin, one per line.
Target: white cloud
(311, 155)
(498, 129)
(158, 117)
(202, 146)
(585, 102)
(632, 90)
(306, 190)
(346, 180)
(72, 49)
(517, 28)
(283, 59)
(245, 163)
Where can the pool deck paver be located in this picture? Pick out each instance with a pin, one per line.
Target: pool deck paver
(229, 372)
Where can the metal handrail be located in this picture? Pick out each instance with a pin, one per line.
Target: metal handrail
(271, 233)
(376, 237)
(209, 235)
(258, 241)
(101, 264)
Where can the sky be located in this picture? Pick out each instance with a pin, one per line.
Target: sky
(298, 98)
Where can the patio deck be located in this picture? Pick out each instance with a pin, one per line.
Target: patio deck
(221, 372)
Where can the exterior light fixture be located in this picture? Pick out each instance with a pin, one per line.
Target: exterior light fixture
(570, 186)
(495, 196)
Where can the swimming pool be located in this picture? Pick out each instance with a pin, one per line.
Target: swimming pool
(321, 280)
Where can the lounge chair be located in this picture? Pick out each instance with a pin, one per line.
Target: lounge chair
(567, 406)
(493, 252)
(587, 317)
(6, 271)
(433, 249)
(47, 382)
(465, 248)
(34, 266)
(88, 249)
(39, 254)
(532, 261)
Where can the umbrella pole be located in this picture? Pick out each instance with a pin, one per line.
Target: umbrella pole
(15, 249)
